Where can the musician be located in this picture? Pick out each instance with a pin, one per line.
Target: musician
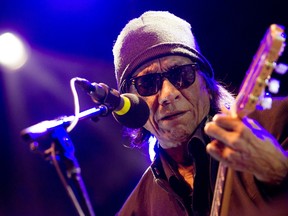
(156, 57)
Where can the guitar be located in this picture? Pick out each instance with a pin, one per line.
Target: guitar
(248, 99)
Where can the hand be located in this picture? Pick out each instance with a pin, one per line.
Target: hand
(245, 146)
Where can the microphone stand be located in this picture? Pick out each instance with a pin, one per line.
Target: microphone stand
(62, 146)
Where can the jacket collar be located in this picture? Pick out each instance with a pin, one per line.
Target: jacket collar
(163, 166)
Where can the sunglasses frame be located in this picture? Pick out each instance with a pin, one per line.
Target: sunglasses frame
(160, 78)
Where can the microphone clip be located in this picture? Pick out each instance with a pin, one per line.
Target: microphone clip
(101, 94)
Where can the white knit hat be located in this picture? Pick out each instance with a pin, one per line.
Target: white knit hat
(154, 34)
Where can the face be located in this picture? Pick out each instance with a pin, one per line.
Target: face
(174, 113)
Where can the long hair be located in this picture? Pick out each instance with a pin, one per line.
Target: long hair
(220, 96)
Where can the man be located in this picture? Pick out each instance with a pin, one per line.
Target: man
(157, 58)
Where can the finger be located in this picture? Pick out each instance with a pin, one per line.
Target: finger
(230, 138)
(218, 150)
(227, 122)
(227, 156)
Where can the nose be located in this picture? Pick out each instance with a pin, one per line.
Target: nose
(168, 93)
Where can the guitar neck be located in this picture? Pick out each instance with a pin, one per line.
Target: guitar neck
(259, 72)
(222, 191)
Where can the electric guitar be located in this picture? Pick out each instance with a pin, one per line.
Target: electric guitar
(248, 99)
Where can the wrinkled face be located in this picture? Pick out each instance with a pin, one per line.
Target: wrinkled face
(174, 113)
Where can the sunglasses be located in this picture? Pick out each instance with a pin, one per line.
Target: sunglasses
(181, 77)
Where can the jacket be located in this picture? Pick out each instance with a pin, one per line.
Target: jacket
(161, 191)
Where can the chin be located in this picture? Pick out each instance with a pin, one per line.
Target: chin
(179, 135)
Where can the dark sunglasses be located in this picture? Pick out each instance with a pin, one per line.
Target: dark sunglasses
(181, 77)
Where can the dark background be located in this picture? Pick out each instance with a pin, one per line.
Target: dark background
(75, 38)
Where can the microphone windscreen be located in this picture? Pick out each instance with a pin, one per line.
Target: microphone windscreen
(137, 115)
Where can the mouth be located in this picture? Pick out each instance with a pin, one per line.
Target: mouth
(172, 116)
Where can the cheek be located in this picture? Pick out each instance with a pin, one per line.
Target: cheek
(199, 97)
(205, 95)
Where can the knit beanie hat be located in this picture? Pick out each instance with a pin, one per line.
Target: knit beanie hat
(153, 35)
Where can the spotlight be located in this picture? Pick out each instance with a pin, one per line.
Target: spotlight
(13, 54)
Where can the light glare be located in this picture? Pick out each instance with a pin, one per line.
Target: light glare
(152, 142)
(12, 51)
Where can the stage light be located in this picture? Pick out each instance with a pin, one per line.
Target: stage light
(13, 54)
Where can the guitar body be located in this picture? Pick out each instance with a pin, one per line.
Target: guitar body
(248, 99)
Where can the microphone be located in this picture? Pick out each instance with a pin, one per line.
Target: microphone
(128, 109)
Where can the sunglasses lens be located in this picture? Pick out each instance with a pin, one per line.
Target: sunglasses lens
(147, 85)
(182, 76)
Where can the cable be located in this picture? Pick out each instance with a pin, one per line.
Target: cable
(76, 105)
